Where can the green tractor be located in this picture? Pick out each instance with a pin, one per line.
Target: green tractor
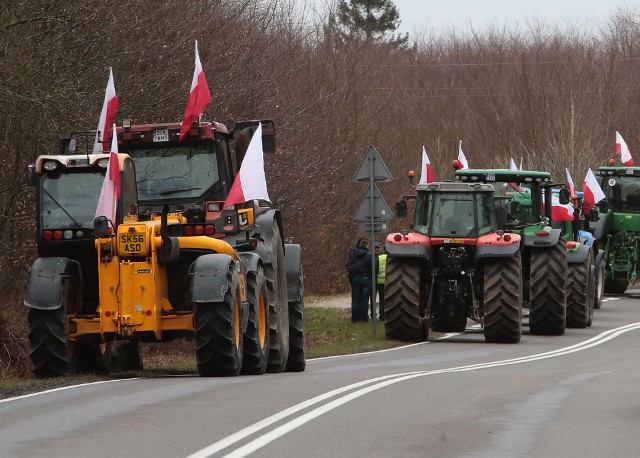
(520, 196)
(616, 226)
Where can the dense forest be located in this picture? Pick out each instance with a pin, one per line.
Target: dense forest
(551, 97)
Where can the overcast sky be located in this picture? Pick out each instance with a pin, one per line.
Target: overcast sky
(444, 14)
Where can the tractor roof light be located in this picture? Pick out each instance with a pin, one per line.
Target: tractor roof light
(571, 245)
(102, 163)
(50, 165)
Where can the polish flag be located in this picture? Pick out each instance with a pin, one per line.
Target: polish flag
(426, 171)
(250, 182)
(199, 98)
(570, 186)
(622, 150)
(110, 192)
(109, 107)
(461, 158)
(592, 191)
(512, 165)
(559, 212)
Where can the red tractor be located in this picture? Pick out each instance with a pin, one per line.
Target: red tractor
(452, 265)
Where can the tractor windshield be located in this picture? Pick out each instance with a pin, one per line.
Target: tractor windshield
(456, 214)
(623, 193)
(69, 200)
(175, 172)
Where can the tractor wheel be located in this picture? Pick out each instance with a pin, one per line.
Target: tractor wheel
(615, 286)
(592, 288)
(128, 356)
(297, 361)
(548, 290)
(94, 358)
(599, 286)
(276, 275)
(256, 338)
(51, 351)
(218, 332)
(402, 301)
(503, 300)
(579, 294)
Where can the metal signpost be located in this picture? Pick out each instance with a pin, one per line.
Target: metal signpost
(373, 213)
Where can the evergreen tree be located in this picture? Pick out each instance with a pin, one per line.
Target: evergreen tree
(369, 20)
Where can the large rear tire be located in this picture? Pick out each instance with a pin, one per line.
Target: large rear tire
(402, 301)
(218, 332)
(276, 275)
(297, 361)
(256, 337)
(579, 294)
(503, 299)
(548, 290)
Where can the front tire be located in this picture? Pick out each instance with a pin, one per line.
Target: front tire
(402, 301)
(218, 333)
(503, 300)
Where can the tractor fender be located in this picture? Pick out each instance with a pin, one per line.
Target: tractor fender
(264, 227)
(250, 261)
(293, 264)
(208, 276)
(409, 245)
(488, 247)
(44, 291)
(542, 240)
(579, 255)
(601, 227)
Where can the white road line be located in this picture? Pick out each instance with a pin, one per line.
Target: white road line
(375, 384)
(62, 388)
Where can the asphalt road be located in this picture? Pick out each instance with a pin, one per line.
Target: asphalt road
(564, 396)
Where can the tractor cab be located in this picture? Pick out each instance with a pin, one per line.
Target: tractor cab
(194, 175)
(451, 210)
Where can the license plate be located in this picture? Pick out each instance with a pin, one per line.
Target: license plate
(161, 135)
(132, 244)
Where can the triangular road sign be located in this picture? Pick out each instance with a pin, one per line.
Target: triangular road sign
(372, 164)
(381, 210)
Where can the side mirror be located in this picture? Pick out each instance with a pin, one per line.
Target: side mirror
(68, 146)
(603, 205)
(101, 227)
(31, 174)
(564, 197)
(401, 208)
(269, 139)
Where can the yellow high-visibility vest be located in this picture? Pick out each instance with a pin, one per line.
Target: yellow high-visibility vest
(382, 267)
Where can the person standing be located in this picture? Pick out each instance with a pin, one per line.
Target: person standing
(381, 269)
(359, 271)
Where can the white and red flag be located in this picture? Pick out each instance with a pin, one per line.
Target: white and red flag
(570, 186)
(559, 212)
(109, 107)
(461, 158)
(110, 192)
(622, 150)
(426, 171)
(512, 165)
(592, 192)
(250, 182)
(199, 98)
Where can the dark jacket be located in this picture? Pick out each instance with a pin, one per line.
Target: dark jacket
(364, 267)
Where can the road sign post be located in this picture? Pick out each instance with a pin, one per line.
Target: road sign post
(373, 212)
